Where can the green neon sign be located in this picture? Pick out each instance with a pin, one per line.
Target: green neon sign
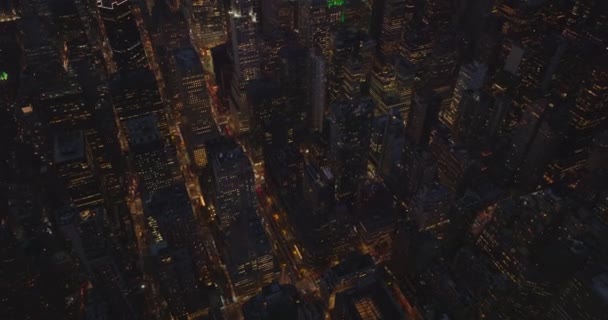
(342, 17)
(334, 3)
(3, 76)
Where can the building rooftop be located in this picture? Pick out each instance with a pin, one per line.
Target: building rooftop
(142, 131)
(247, 239)
(369, 299)
(69, 146)
(187, 61)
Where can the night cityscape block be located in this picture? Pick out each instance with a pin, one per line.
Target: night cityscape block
(305, 160)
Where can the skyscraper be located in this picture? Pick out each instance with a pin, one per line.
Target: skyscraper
(76, 170)
(471, 118)
(350, 129)
(246, 60)
(248, 255)
(209, 23)
(393, 147)
(270, 119)
(197, 120)
(136, 93)
(72, 29)
(350, 61)
(171, 210)
(389, 18)
(424, 113)
(525, 132)
(318, 90)
(168, 28)
(123, 35)
(281, 301)
(278, 14)
(294, 77)
(170, 219)
(316, 21)
(234, 184)
(151, 159)
(387, 93)
(470, 77)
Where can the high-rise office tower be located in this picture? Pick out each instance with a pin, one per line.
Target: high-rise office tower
(271, 125)
(386, 91)
(370, 297)
(136, 97)
(283, 301)
(525, 132)
(123, 35)
(585, 117)
(168, 28)
(425, 108)
(470, 77)
(442, 64)
(178, 282)
(455, 165)
(278, 15)
(429, 208)
(294, 77)
(170, 220)
(519, 17)
(472, 116)
(197, 120)
(113, 289)
(542, 149)
(136, 93)
(322, 230)
(350, 129)
(64, 104)
(40, 55)
(269, 117)
(234, 184)
(540, 61)
(379, 125)
(75, 170)
(350, 61)
(208, 23)
(428, 42)
(420, 170)
(285, 168)
(103, 149)
(501, 94)
(437, 14)
(389, 18)
(319, 189)
(316, 19)
(249, 255)
(171, 210)
(318, 90)
(393, 147)
(246, 60)
(416, 44)
(152, 160)
(271, 45)
(72, 29)
(405, 84)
